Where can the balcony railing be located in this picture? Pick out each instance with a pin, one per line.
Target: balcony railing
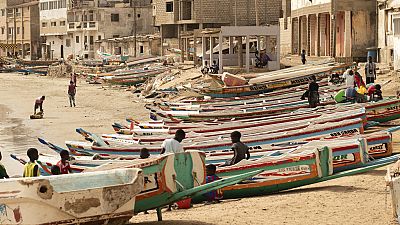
(76, 26)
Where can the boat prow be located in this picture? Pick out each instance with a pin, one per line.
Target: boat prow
(102, 197)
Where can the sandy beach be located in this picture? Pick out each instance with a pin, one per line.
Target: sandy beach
(360, 199)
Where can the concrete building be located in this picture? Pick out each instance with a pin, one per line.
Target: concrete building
(176, 18)
(343, 29)
(90, 20)
(19, 28)
(146, 45)
(56, 44)
(388, 32)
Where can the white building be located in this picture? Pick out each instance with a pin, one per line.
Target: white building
(56, 44)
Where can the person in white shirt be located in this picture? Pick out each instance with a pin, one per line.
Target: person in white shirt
(174, 145)
(349, 78)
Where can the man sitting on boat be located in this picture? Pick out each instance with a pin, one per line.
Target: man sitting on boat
(31, 169)
(240, 150)
(174, 145)
(65, 167)
(144, 153)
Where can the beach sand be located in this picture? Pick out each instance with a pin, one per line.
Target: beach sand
(360, 199)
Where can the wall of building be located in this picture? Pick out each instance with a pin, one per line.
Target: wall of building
(223, 12)
(285, 37)
(364, 23)
(386, 37)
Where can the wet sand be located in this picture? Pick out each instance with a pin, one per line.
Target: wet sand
(354, 200)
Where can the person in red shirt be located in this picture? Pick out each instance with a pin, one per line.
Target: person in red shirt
(71, 93)
(64, 165)
(39, 104)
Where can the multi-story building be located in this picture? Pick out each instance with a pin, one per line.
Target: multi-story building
(56, 44)
(19, 28)
(88, 21)
(337, 28)
(389, 32)
(175, 18)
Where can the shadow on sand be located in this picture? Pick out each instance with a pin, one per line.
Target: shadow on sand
(331, 188)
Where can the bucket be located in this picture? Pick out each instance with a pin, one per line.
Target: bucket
(184, 204)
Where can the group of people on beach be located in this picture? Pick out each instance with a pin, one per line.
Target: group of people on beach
(356, 88)
(173, 145)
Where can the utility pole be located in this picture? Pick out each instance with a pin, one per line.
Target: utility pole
(235, 12)
(256, 9)
(134, 27)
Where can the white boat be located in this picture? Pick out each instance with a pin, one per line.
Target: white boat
(97, 198)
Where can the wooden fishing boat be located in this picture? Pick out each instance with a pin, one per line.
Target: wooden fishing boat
(170, 178)
(105, 197)
(216, 133)
(312, 131)
(290, 171)
(272, 83)
(377, 110)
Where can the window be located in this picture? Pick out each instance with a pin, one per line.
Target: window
(85, 40)
(53, 24)
(44, 6)
(62, 4)
(129, 15)
(3, 12)
(18, 30)
(91, 40)
(141, 50)
(115, 36)
(169, 7)
(68, 42)
(77, 39)
(44, 24)
(138, 15)
(114, 17)
(2, 30)
(62, 23)
(99, 37)
(10, 30)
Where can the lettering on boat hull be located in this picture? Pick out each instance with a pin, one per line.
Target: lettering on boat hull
(341, 159)
(378, 148)
(345, 132)
(150, 183)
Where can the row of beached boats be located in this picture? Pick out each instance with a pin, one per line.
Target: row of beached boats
(290, 146)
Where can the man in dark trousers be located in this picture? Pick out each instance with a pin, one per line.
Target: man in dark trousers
(303, 56)
(39, 104)
(71, 93)
(370, 71)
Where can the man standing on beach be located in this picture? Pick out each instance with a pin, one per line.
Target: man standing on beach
(370, 71)
(174, 145)
(71, 93)
(39, 104)
(303, 56)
